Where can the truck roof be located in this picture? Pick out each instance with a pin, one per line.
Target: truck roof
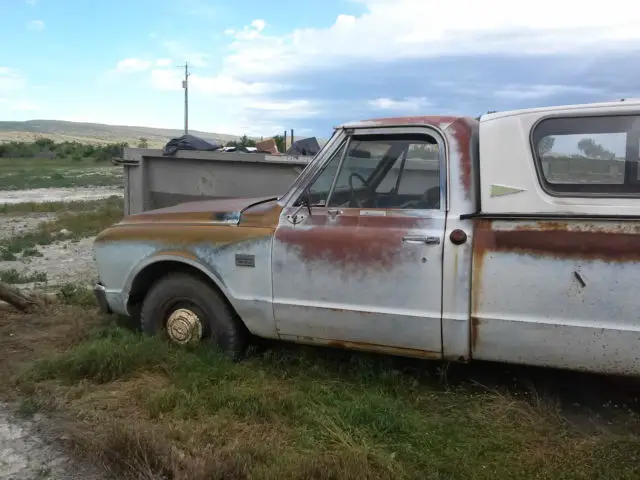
(443, 121)
(621, 104)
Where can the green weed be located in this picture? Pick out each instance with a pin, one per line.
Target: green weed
(14, 277)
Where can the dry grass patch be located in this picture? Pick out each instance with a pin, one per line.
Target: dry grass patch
(56, 207)
(151, 410)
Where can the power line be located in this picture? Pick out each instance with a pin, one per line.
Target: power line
(185, 86)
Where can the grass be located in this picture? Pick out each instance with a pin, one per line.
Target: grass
(7, 256)
(14, 277)
(151, 410)
(68, 226)
(71, 294)
(31, 252)
(26, 173)
(56, 207)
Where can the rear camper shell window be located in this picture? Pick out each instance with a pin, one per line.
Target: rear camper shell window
(588, 156)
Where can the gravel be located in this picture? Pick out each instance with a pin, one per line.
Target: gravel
(64, 262)
(41, 195)
(13, 225)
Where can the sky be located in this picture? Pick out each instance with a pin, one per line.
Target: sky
(260, 66)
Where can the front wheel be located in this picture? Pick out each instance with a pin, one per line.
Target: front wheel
(190, 311)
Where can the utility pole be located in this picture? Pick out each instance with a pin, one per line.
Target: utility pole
(185, 86)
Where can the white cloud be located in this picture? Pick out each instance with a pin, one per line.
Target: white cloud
(392, 29)
(300, 108)
(259, 62)
(532, 92)
(30, 2)
(35, 25)
(220, 85)
(407, 104)
(259, 24)
(248, 32)
(133, 65)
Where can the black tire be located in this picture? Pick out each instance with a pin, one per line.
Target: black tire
(219, 325)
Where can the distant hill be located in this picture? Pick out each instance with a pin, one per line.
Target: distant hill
(96, 133)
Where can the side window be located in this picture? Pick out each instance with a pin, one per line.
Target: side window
(362, 160)
(389, 172)
(585, 155)
(422, 170)
(319, 189)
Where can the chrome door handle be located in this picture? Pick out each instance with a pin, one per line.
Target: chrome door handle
(421, 239)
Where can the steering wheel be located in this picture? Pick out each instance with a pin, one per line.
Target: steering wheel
(354, 198)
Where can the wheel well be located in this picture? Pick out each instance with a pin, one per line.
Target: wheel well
(152, 273)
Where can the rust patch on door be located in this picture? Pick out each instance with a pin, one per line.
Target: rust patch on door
(352, 240)
(366, 248)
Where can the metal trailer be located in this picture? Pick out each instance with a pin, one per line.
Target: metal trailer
(152, 180)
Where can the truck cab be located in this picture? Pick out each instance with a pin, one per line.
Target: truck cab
(510, 238)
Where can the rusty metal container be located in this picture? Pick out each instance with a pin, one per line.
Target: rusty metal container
(152, 180)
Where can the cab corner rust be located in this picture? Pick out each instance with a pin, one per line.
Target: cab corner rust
(460, 132)
(482, 243)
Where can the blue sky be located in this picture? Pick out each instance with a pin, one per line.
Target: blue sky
(260, 67)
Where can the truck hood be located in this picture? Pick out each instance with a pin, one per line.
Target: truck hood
(227, 211)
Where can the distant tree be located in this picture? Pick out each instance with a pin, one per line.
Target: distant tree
(423, 151)
(545, 145)
(89, 151)
(247, 142)
(279, 139)
(244, 141)
(592, 149)
(143, 143)
(45, 143)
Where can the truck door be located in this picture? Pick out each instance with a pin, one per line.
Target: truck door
(361, 267)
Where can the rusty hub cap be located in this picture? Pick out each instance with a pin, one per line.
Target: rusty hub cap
(184, 326)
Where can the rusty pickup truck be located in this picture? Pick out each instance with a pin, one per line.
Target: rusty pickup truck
(514, 238)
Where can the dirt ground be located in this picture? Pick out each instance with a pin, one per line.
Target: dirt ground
(30, 449)
(12, 225)
(58, 194)
(64, 262)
